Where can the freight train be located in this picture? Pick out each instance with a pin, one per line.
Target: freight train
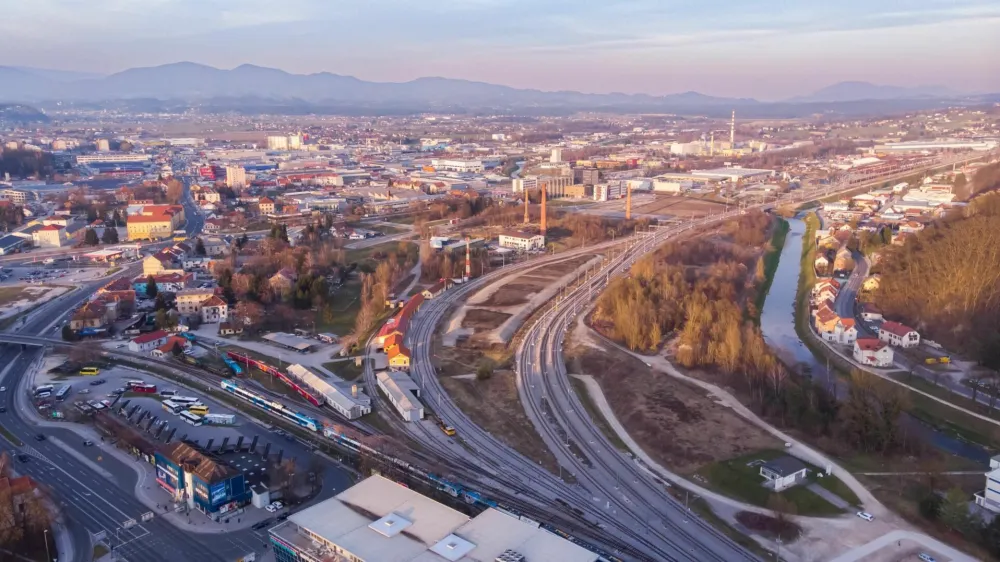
(330, 432)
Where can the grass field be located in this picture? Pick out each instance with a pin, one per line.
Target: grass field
(346, 370)
(738, 480)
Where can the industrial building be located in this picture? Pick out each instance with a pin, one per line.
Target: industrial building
(403, 393)
(351, 404)
(379, 520)
(609, 191)
(734, 174)
(523, 241)
(929, 146)
(553, 184)
(116, 158)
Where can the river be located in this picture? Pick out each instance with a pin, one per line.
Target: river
(777, 322)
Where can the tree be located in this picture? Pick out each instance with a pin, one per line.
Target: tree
(991, 536)
(68, 334)
(151, 289)
(484, 370)
(90, 238)
(199, 247)
(954, 511)
(110, 235)
(930, 506)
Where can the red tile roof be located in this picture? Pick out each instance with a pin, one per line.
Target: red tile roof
(152, 336)
(870, 344)
(896, 328)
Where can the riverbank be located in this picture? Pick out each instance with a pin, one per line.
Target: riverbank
(770, 261)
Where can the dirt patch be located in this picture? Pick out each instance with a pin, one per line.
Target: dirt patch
(512, 294)
(493, 404)
(14, 300)
(676, 424)
(481, 319)
(770, 527)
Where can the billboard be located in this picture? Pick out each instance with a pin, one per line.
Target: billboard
(218, 493)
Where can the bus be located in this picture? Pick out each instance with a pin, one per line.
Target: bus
(63, 392)
(173, 407)
(45, 388)
(168, 392)
(184, 400)
(192, 419)
(198, 409)
(90, 371)
(132, 383)
(147, 388)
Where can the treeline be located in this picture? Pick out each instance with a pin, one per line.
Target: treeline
(21, 164)
(986, 179)
(700, 292)
(945, 281)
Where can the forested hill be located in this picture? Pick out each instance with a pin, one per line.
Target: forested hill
(945, 282)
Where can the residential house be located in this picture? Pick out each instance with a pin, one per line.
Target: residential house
(989, 498)
(214, 246)
(94, 314)
(825, 322)
(266, 206)
(393, 341)
(214, 310)
(822, 264)
(873, 352)
(399, 358)
(161, 262)
(844, 260)
(871, 283)
(148, 342)
(845, 332)
(189, 301)
(51, 236)
(174, 344)
(783, 473)
(170, 282)
(155, 222)
(898, 334)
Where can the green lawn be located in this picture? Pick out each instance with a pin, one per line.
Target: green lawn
(345, 305)
(10, 437)
(837, 486)
(346, 370)
(738, 480)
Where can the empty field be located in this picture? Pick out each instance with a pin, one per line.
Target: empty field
(679, 205)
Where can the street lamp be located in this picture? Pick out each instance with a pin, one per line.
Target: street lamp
(48, 557)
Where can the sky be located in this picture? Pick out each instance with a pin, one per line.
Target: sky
(765, 49)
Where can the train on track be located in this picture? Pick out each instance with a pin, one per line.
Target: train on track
(345, 441)
(240, 359)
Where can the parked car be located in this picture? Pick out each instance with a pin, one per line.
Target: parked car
(40, 437)
(88, 443)
(866, 516)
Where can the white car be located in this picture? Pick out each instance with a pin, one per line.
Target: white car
(270, 508)
(277, 505)
(866, 516)
(3, 389)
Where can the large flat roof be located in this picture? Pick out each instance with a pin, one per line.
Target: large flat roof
(378, 519)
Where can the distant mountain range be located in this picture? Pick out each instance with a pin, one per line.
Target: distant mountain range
(250, 88)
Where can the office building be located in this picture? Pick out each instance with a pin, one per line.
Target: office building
(556, 156)
(523, 241)
(295, 142)
(378, 520)
(586, 176)
(102, 145)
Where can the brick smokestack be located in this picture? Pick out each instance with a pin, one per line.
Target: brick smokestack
(525, 206)
(545, 188)
(628, 200)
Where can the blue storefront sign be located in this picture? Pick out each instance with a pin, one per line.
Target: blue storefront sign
(218, 493)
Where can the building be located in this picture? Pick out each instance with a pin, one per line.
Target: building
(236, 177)
(11, 244)
(155, 222)
(200, 480)
(435, 289)
(51, 236)
(283, 281)
(522, 241)
(266, 206)
(161, 263)
(94, 314)
(898, 334)
(378, 520)
(117, 158)
(277, 143)
(403, 394)
(872, 352)
(102, 145)
(399, 358)
(989, 498)
(148, 342)
(556, 156)
(456, 165)
(214, 310)
(610, 190)
(783, 473)
(189, 301)
(352, 403)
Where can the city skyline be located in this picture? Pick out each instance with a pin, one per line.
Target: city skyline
(722, 48)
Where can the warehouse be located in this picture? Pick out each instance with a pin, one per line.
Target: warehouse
(351, 404)
(378, 519)
(403, 393)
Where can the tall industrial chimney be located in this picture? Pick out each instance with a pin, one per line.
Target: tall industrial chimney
(525, 206)
(628, 200)
(732, 132)
(711, 147)
(545, 189)
(468, 259)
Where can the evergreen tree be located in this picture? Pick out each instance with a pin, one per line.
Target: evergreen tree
(151, 290)
(90, 238)
(199, 247)
(110, 235)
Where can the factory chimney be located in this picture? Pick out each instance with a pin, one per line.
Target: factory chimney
(525, 206)
(628, 200)
(711, 147)
(732, 131)
(468, 259)
(545, 188)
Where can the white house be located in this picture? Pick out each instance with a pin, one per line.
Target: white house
(782, 473)
(872, 352)
(989, 498)
(844, 332)
(214, 310)
(898, 334)
(148, 342)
